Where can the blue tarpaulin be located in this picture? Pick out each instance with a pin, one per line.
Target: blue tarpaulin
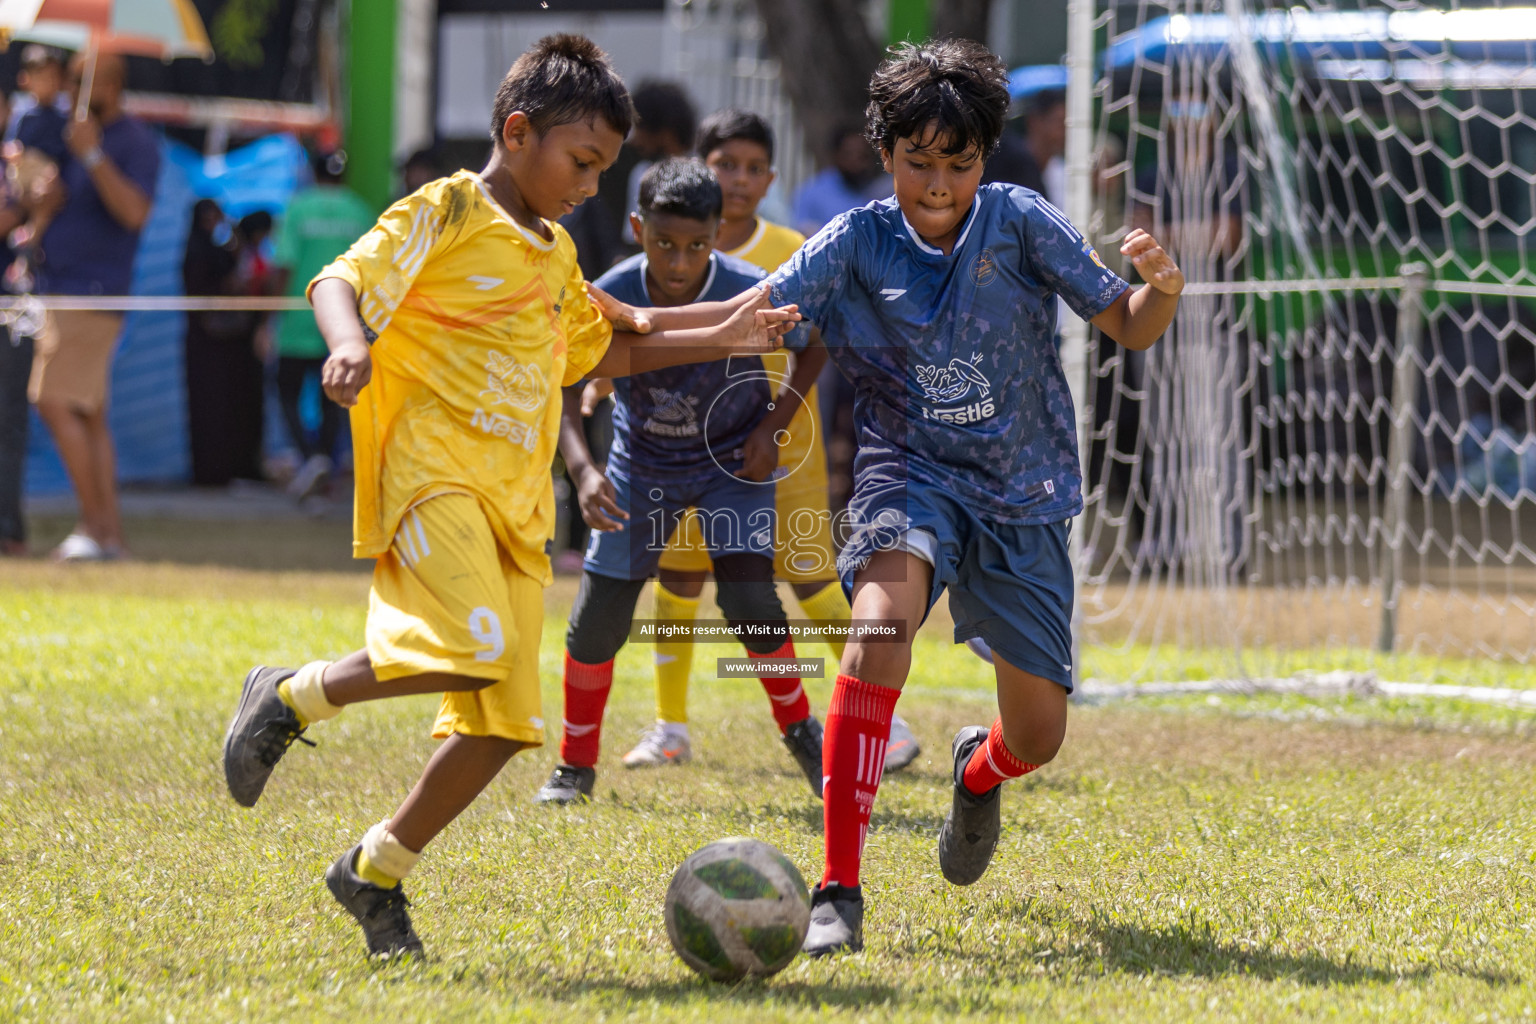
(148, 414)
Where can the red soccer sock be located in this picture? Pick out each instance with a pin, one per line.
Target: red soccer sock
(852, 759)
(785, 692)
(993, 763)
(586, 695)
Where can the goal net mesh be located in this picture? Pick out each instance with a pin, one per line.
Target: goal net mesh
(1332, 452)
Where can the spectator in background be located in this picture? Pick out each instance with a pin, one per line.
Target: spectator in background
(15, 368)
(419, 168)
(98, 204)
(40, 126)
(322, 222)
(35, 149)
(223, 365)
(1193, 197)
(1035, 160)
(665, 124)
(853, 180)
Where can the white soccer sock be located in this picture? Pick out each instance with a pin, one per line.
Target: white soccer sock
(308, 692)
(386, 853)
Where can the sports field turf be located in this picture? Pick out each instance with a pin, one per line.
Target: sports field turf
(1269, 859)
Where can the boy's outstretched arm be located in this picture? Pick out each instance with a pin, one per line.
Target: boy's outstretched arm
(1140, 315)
(753, 328)
(349, 367)
(595, 495)
(646, 319)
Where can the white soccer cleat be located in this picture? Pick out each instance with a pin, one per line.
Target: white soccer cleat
(660, 745)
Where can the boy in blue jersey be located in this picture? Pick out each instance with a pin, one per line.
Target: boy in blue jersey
(680, 439)
(939, 305)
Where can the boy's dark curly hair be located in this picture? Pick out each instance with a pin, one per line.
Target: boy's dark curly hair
(561, 79)
(947, 92)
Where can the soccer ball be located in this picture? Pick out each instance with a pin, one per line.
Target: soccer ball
(737, 908)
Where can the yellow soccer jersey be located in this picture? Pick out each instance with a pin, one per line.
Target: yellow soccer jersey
(479, 323)
(770, 245)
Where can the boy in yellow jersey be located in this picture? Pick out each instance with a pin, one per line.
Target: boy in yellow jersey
(452, 326)
(738, 146)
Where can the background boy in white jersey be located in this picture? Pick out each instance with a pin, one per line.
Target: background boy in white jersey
(476, 314)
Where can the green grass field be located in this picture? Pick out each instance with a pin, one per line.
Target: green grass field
(1266, 859)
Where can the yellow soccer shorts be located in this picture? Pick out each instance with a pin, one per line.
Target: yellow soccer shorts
(803, 550)
(446, 598)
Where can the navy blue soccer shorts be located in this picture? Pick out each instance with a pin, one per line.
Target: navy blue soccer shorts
(1009, 585)
(737, 517)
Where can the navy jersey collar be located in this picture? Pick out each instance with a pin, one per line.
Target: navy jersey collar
(923, 246)
(709, 279)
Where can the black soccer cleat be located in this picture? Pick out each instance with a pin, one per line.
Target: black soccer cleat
(970, 832)
(803, 739)
(568, 784)
(837, 921)
(903, 747)
(259, 735)
(386, 925)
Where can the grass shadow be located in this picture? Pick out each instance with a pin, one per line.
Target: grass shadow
(804, 994)
(810, 818)
(1191, 948)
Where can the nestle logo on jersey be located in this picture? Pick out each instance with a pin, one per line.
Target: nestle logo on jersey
(675, 414)
(953, 382)
(502, 425)
(982, 410)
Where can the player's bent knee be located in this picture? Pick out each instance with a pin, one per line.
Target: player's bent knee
(748, 599)
(885, 664)
(601, 617)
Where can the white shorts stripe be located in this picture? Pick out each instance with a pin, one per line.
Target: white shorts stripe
(403, 538)
(421, 534)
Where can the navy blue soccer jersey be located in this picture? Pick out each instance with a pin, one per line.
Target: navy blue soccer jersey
(684, 423)
(956, 376)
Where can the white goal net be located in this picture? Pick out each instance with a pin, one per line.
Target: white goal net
(1332, 453)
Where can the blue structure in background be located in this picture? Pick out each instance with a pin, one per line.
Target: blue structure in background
(149, 393)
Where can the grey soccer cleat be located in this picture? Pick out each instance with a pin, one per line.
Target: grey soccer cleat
(259, 735)
(803, 739)
(903, 748)
(837, 921)
(386, 925)
(568, 784)
(970, 832)
(659, 746)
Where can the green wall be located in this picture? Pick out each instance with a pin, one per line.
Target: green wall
(369, 129)
(908, 20)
